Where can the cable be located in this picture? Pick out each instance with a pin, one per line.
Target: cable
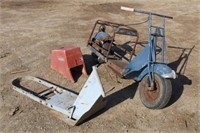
(139, 23)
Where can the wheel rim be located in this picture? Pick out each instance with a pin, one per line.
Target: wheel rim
(152, 95)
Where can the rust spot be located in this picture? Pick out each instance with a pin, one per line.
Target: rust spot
(152, 95)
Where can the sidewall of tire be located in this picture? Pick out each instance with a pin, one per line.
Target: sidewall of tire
(164, 94)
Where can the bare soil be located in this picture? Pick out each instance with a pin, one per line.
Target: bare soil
(30, 29)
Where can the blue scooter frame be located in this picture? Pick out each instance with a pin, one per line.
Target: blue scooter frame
(154, 77)
(140, 66)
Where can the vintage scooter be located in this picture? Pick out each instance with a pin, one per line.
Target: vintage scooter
(155, 87)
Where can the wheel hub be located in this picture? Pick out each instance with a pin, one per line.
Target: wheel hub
(152, 93)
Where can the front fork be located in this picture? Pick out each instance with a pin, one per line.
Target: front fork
(151, 82)
(150, 74)
(152, 49)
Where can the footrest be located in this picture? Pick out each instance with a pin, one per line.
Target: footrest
(117, 66)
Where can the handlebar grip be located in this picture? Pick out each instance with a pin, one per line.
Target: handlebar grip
(127, 9)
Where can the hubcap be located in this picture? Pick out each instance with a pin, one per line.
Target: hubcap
(153, 93)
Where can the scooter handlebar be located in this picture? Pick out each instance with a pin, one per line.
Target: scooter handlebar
(145, 12)
(127, 9)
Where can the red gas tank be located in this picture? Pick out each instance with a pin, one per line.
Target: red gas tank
(66, 58)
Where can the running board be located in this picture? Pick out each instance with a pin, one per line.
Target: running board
(73, 108)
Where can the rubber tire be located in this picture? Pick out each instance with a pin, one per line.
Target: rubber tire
(164, 94)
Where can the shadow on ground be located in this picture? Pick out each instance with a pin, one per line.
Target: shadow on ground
(129, 92)
(179, 66)
(89, 62)
(116, 98)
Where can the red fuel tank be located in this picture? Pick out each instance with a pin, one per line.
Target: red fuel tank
(66, 58)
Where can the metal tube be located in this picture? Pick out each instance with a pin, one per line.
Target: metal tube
(150, 47)
(163, 39)
(144, 12)
(156, 14)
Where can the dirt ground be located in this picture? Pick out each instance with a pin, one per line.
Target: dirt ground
(30, 29)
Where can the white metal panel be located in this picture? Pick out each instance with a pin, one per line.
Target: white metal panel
(90, 93)
(64, 100)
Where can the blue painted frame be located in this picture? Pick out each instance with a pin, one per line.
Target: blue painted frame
(145, 62)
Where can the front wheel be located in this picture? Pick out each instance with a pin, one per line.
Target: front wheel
(158, 96)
